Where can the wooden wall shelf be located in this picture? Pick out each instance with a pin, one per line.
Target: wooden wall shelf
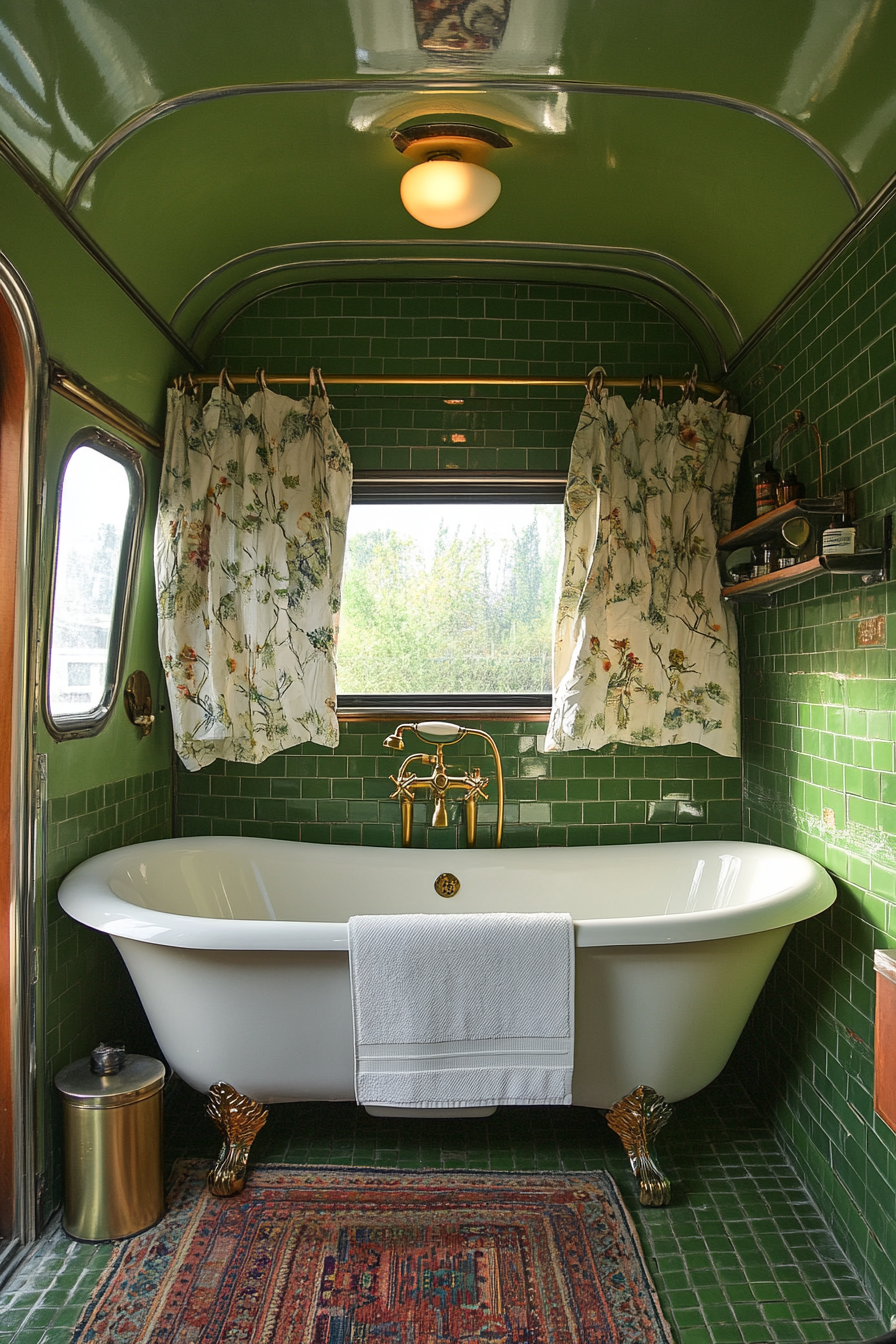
(768, 527)
(871, 566)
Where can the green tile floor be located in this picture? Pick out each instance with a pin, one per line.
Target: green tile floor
(741, 1256)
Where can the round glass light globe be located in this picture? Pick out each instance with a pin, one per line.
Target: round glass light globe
(446, 194)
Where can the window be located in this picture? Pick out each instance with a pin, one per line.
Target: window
(99, 510)
(449, 591)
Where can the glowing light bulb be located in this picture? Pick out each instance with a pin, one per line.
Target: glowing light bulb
(446, 193)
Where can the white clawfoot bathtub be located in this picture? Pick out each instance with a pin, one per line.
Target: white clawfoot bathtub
(238, 948)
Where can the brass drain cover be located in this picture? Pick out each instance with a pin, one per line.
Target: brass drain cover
(446, 884)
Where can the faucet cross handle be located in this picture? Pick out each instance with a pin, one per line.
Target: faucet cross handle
(405, 785)
(476, 784)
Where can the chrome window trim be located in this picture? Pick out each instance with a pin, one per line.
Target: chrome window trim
(452, 487)
(66, 727)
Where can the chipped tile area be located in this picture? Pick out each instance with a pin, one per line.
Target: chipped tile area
(741, 1256)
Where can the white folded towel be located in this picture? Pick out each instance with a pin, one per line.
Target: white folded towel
(462, 1010)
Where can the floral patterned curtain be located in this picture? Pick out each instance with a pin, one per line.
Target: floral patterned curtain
(249, 547)
(645, 650)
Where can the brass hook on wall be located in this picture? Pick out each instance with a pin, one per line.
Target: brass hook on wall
(138, 702)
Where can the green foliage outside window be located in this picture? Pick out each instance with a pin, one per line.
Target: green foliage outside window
(474, 615)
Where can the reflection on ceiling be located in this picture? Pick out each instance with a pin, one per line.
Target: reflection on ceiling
(506, 36)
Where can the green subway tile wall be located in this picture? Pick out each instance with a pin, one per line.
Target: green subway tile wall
(312, 793)
(454, 328)
(819, 728)
(341, 796)
(89, 996)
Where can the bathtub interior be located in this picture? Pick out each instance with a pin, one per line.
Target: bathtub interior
(287, 881)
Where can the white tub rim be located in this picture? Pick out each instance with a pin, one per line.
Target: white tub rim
(86, 896)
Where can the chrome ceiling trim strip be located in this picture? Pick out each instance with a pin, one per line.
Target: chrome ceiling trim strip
(878, 202)
(55, 206)
(590, 249)
(423, 85)
(644, 276)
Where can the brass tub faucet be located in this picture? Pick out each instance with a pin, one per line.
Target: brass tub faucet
(440, 781)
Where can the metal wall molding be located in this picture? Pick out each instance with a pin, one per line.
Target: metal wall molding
(27, 955)
(462, 245)
(710, 346)
(96, 403)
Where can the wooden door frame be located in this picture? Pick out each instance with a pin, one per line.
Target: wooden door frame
(23, 403)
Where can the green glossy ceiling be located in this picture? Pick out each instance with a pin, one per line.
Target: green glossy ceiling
(702, 155)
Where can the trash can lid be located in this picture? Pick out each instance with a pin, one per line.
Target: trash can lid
(139, 1077)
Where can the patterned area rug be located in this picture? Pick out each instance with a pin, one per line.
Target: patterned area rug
(352, 1255)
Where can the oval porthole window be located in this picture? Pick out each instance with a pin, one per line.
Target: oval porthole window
(99, 509)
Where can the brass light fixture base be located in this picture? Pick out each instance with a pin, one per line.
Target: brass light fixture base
(637, 1119)
(425, 139)
(239, 1119)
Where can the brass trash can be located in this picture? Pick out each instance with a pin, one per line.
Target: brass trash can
(114, 1182)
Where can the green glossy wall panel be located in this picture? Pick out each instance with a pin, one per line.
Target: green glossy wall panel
(819, 729)
(90, 324)
(105, 791)
(313, 793)
(117, 750)
(89, 995)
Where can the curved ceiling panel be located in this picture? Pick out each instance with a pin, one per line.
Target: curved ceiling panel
(73, 71)
(707, 165)
(730, 199)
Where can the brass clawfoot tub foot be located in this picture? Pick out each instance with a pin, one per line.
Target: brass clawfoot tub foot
(637, 1119)
(239, 1119)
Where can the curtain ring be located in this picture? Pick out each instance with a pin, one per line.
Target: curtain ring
(316, 383)
(190, 385)
(223, 378)
(689, 386)
(595, 381)
(260, 379)
(648, 383)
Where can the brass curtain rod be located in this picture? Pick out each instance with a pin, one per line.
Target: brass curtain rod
(438, 380)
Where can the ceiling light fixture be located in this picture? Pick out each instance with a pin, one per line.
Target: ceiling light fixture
(448, 185)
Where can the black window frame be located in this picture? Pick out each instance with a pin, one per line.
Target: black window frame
(79, 725)
(452, 487)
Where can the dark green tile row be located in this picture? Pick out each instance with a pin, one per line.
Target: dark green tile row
(341, 795)
(819, 729)
(741, 1256)
(454, 329)
(89, 996)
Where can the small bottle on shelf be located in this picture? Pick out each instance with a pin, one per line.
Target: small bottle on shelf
(764, 560)
(840, 537)
(789, 488)
(766, 481)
